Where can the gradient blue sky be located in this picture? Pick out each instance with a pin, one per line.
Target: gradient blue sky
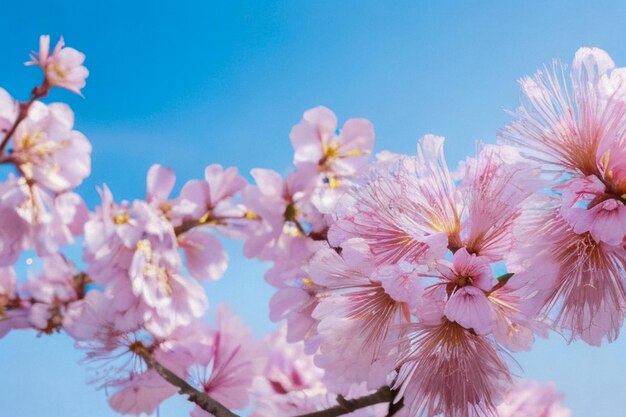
(189, 84)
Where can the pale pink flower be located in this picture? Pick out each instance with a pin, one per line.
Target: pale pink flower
(574, 127)
(579, 279)
(494, 186)
(34, 219)
(63, 67)
(283, 208)
(564, 116)
(515, 318)
(405, 211)
(604, 216)
(9, 109)
(316, 140)
(448, 370)
(209, 199)
(47, 149)
(532, 399)
(467, 282)
(354, 302)
(132, 250)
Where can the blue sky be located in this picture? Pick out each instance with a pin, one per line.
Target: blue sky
(187, 84)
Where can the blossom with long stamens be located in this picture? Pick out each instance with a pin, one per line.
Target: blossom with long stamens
(448, 370)
(574, 127)
(577, 278)
(494, 186)
(354, 301)
(407, 210)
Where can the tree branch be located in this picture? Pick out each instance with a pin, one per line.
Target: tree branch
(202, 399)
(383, 395)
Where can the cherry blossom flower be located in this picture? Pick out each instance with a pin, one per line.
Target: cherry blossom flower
(63, 67)
(48, 151)
(354, 302)
(451, 371)
(408, 210)
(572, 275)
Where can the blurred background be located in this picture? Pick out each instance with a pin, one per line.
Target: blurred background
(186, 84)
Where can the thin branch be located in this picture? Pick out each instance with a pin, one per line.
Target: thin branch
(383, 395)
(202, 399)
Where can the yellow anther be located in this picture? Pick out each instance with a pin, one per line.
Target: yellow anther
(334, 182)
(145, 247)
(121, 218)
(251, 215)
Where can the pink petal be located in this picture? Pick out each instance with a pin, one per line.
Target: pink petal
(470, 308)
(160, 183)
(206, 259)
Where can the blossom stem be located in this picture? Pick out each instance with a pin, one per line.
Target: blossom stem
(202, 399)
(38, 92)
(383, 395)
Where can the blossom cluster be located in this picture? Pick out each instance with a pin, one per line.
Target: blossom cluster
(390, 270)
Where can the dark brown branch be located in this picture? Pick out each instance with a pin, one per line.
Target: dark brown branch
(202, 399)
(383, 395)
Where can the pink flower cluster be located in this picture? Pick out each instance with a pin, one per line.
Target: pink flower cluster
(391, 271)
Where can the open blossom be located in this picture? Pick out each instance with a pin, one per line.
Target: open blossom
(338, 155)
(132, 249)
(573, 127)
(35, 219)
(47, 149)
(603, 217)
(494, 187)
(316, 140)
(355, 302)
(407, 210)
(448, 370)
(574, 243)
(283, 208)
(63, 67)
(573, 276)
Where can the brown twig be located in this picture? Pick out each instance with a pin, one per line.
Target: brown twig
(383, 395)
(202, 399)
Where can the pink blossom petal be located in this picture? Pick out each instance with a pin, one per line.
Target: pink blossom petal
(206, 259)
(470, 308)
(160, 182)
